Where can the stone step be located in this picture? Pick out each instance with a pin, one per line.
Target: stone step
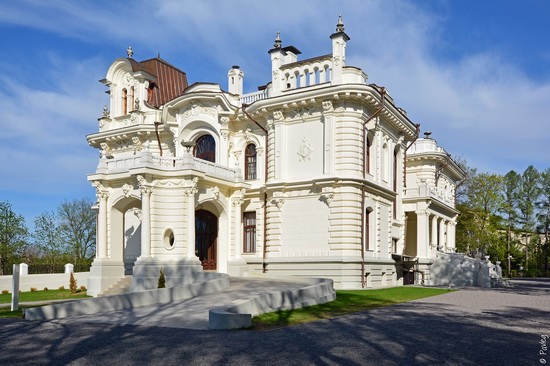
(122, 286)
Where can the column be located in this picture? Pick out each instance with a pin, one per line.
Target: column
(422, 233)
(101, 243)
(237, 229)
(442, 235)
(451, 227)
(190, 193)
(434, 232)
(145, 221)
(146, 189)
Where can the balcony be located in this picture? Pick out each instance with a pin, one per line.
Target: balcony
(426, 191)
(169, 164)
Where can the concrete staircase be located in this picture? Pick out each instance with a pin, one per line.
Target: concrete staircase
(122, 286)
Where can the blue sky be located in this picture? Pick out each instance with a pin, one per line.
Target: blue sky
(474, 72)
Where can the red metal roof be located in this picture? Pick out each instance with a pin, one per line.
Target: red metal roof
(170, 83)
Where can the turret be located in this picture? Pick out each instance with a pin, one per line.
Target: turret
(339, 40)
(235, 80)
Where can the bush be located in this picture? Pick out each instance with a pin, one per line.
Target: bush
(33, 289)
(83, 288)
(45, 289)
(5, 292)
(162, 280)
(72, 284)
(61, 288)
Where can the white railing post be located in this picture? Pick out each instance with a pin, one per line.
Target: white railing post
(24, 269)
(69, 268)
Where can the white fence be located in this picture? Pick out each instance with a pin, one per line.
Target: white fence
(39, 281)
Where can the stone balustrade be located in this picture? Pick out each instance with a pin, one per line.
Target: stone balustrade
(188, 162)
(428, 191)
(252, 97)
(309, 72)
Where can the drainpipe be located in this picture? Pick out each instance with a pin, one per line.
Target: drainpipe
(158, 136)
(376, 113)
(264, 251)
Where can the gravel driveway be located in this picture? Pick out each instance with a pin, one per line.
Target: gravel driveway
(472, 326)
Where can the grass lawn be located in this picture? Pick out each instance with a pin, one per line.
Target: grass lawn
(347, 301)
(43, 295)
(5, 312)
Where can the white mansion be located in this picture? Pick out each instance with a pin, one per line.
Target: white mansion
(318, 173)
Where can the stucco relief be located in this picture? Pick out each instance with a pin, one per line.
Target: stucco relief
(304, 150)
(198, 109)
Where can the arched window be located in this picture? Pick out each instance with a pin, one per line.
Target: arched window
(124, 101)
(205, 148)
(131, 98)
(250, 156)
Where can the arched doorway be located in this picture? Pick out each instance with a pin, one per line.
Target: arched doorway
(206, 236)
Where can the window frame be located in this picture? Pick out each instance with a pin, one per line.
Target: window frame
(250, 162)
(249, 232)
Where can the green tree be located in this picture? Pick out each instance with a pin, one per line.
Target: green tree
(484, 198)
(13, 236)
(509, 209)
(544, 214)
(77, 225)
(528, 193)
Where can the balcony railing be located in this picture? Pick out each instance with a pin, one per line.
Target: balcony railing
(427, 191)
(188, 162)
(252, 97)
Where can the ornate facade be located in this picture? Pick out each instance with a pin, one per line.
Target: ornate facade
(318, 173)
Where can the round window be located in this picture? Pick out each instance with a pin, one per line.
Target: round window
(169, 239)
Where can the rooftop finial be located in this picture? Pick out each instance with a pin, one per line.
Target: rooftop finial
(340, 25)
(129, 52)
(278, 41)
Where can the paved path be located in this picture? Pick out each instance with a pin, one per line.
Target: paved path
(468, 327)
(189, 314)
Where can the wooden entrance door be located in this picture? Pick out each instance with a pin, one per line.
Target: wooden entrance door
(206, 235)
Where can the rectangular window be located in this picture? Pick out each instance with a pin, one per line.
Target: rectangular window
(367, 229)
(249, 239)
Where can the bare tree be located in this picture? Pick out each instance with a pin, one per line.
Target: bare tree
(77, 225)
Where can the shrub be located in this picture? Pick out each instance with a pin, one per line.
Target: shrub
(162, 280)
(45, 289)
(61, 288)
(83, 288)
(33, 289)
(5, 292)
(72, 284)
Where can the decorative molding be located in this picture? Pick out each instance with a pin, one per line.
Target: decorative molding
(239, 199)
(278, 115)
(198, 109)
(190, 191)
(144, 186)
(215, 192)
(101, 191)
(327, 106)
(126, 189)
(169, 182)
(327, 194)
(304, 150)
